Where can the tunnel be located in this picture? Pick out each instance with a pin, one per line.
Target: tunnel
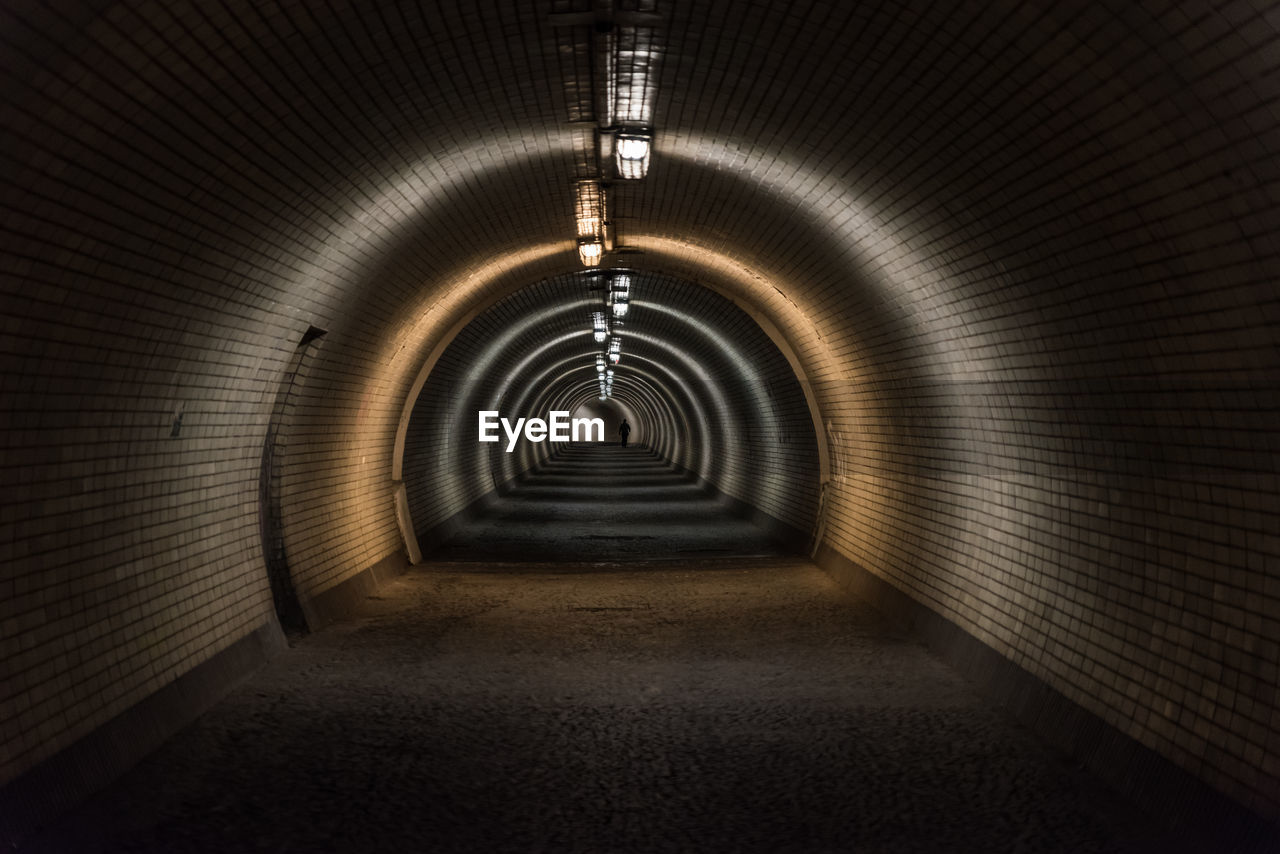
(947, 336)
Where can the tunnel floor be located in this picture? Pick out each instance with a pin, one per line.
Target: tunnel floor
(728, 699)
(603, 503)
(722, 705)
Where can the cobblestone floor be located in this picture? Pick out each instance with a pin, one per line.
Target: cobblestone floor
(703, 704)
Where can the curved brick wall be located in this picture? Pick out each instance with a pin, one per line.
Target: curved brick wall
(1022, 255)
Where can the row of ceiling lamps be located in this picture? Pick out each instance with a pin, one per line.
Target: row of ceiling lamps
(604, 327)
(624, 62)
(624, 57)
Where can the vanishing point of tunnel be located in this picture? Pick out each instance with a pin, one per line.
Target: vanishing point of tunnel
(640, 425)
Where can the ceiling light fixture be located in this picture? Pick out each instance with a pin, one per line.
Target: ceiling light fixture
(635, 52)
(620, 294)
(631, 153)
(588, 209)
(589, 252)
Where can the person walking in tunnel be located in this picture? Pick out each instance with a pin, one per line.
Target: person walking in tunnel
(624, 430)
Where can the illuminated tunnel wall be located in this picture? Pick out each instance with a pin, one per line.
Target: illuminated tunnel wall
(704, 385)
(1020, 256)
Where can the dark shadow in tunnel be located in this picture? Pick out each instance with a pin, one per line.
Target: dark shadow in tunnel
(604, 503)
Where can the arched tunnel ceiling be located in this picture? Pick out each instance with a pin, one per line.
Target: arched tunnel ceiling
(358, 156)
(1019, 255)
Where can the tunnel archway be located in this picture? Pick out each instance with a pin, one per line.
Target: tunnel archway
(737, 417)
(1020, 256)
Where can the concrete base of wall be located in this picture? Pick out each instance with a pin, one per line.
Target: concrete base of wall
(72, 775)
(786, 535)
(435, 536)
(790, 538)
(1171, 794)
(339, 602)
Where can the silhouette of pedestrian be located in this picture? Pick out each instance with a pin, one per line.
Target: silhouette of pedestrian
(624, 430)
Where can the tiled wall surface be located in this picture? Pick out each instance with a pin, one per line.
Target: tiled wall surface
(1023, 254)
